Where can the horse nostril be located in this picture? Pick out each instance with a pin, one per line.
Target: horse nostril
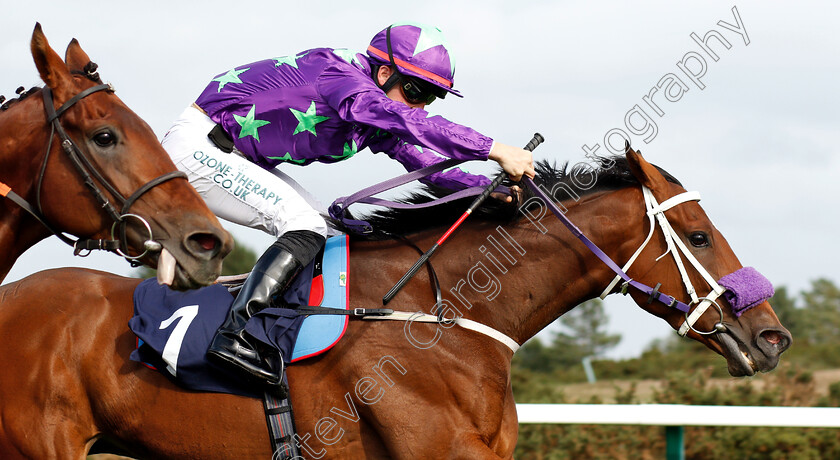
(772, 336)
(779, 340)
(205, 241)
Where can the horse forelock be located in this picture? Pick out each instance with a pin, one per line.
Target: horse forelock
(89, 72)
(608, 173)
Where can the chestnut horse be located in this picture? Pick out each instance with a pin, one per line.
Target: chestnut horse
(388, 389)
(72, 151)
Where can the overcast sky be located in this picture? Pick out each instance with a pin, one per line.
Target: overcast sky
(758, 141)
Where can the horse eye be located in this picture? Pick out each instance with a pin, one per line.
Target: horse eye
(104, 138)
(698, 239)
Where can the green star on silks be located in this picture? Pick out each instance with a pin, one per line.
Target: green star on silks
(250, 124)
(347, 55)
(419, 148)
(349, 150)
(307, 120)
(290, 60)
(288, 157)
(232, 76)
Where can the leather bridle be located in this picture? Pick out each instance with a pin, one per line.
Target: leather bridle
(92, 178)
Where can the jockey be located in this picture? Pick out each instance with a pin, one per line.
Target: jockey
(320, 105)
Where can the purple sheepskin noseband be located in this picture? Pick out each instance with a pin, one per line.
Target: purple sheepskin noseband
(746, 288)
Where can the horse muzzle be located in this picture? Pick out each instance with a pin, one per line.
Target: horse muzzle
(759, 352)
(195, 262)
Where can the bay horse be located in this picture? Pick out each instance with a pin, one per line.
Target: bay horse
(388, 389)
(72, 151)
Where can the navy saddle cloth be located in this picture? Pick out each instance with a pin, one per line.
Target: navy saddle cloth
(174, 328)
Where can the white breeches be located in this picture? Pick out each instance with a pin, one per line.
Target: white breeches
(236, 189)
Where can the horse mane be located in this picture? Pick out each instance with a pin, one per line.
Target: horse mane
(612, 173)
(88, 72)
(21, 96)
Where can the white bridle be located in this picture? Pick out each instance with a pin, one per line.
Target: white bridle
(675, 246)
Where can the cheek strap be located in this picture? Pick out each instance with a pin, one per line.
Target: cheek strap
(391, 82)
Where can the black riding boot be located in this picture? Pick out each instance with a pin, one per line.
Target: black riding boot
(270, 277)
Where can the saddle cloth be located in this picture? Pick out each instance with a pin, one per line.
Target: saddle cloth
(174, 328)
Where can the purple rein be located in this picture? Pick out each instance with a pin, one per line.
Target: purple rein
(745, 287)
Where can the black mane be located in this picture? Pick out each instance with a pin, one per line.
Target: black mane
(612, 174)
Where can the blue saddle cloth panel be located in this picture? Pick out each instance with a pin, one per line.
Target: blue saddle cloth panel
(175, 328)
(319, 333)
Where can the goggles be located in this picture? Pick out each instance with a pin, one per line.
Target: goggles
(417, 91)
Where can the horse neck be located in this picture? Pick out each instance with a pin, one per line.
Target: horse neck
(530, 279)
(23, 132)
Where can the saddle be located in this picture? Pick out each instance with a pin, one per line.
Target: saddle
(174, 328)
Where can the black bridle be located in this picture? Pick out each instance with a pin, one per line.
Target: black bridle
(90, 175)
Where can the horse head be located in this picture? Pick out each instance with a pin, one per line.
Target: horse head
(91, 166)
(749, 336)
(631, 223)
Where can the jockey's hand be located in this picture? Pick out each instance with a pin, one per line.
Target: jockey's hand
(514, 191)
(513, 160)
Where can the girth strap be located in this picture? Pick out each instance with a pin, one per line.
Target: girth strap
(280, 420)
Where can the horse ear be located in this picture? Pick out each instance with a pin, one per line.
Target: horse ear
(52, 69)
(75, 57)
(646, 173)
